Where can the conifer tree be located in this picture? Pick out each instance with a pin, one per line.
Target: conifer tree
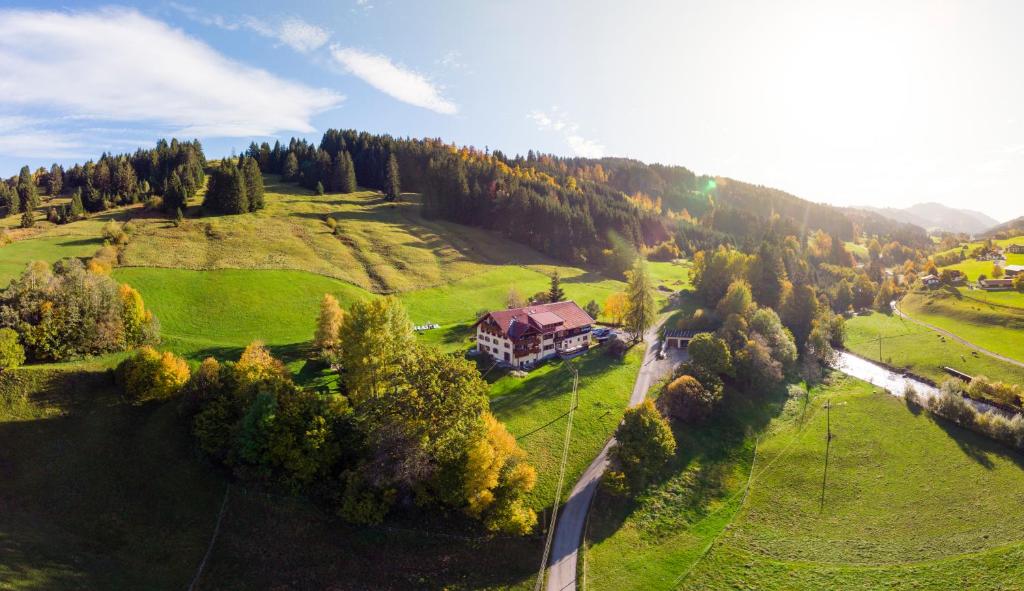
(348, 181)
(640, 293)
(253, 183)
(76, 210)
(27, 193)
(393, 182)
(290, 169)
(555, 293)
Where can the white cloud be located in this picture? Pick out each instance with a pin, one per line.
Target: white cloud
(302, 36)
(294, 32)
(384, 75)
(118, 65)
(555, 121)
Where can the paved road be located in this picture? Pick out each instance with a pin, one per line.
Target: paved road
(573, 515)
(896, 310)
(895, 383)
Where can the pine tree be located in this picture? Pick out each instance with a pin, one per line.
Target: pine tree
(77, 210)
(28, 219)
(253, 183)
(290, 170)
(640, 293)
(348, 181)
(174, 197)
(55, 180)
(27, 193)
(393, 183)
(555, 293)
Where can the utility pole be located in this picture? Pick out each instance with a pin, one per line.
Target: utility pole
(880, 347)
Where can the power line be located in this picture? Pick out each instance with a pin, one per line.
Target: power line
(573, 403)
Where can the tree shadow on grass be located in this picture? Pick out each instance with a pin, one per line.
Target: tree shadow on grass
(695, 480)
(977, 447)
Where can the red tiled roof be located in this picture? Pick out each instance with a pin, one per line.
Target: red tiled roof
(540, 318)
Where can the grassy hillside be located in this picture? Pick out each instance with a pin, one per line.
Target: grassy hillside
(903, 502)
(649, 541)
(216, 283)
(923, 351)
(101, 494)
(535, 410)
(995, 328)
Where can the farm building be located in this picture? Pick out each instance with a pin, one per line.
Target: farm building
(679, 339)
(522, 336)
(995, 284)
(930, 281)
(1015, 249)
(1013, 270)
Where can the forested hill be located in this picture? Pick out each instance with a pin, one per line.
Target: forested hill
(580, 210)
(576, 209)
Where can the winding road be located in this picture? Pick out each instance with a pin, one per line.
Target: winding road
(572, 516)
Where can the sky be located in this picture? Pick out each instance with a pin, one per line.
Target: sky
(872, 102)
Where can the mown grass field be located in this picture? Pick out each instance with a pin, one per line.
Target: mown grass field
(923, 351)
(535, 410)
(904, 502)
(995, 328)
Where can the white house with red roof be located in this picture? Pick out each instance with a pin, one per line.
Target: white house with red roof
(524, 336)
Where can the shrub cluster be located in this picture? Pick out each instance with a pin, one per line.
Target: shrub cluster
(950, 404)
(65, 311)
(410, 428)
(151, 375)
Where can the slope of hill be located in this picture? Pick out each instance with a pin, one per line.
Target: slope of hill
(1010, 228)
(936, 216)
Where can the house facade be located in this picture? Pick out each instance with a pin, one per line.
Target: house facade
(521, 337)
(1015, 249)
(1013, 270)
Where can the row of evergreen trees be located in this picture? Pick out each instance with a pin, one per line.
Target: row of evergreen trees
(174, 170)
(235, 187)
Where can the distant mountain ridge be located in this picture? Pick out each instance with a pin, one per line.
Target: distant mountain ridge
(936, 216)
(1014, 227)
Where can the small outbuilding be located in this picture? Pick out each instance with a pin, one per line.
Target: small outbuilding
(679, 339)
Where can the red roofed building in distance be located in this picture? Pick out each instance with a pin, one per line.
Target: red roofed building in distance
(524, 336)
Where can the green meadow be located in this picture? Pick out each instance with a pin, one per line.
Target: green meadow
(992, 327)
(923, 351)
(894, 499)
(217, 283)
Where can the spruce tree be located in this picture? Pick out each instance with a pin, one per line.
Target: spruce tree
(348, 182)
(640, 293)
(290, 170)
(336, 179)
(393, 182)
(77, 210)
(253, 183)
(555, 293)
(27, 193)
(174, 197)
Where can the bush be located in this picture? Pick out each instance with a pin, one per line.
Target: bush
(331, 222)
(954, 407)
(616, 348)
(644, 444)
(114, 233)
(982, 388)
(64, 311)
(12, 354)
(687, 400)
(151, 375)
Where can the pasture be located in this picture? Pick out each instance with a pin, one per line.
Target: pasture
(895, 500)
(922, 351)
(992, 327)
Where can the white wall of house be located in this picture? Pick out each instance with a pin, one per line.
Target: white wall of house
(494, 346)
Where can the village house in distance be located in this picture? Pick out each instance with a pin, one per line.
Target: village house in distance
(521, 337)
